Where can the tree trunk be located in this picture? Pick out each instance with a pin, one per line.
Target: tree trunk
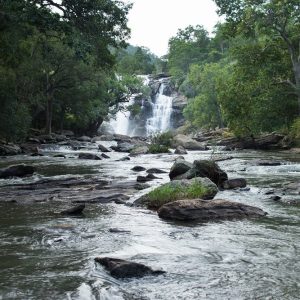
(296, 67)
(49, 114)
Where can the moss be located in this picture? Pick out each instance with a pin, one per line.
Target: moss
(170, 193)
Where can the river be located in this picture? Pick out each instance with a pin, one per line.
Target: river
(46, 256)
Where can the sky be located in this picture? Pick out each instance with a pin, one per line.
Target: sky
(154, 22)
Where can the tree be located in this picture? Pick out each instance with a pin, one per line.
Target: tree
(276, 18)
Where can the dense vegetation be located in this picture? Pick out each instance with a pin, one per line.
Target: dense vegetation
(246, 77)
(56, 64)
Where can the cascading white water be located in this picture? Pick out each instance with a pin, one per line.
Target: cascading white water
(162, 110)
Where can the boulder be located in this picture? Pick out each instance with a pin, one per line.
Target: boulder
(17, 171)
(73, 211)
(155, 171)
(205, 211)
(9, 149)
(124, 147)
(152, 176)
(180, 150)
(188, 143)
(179, 167)
(176, 190)
(139, 150)
(89, 156)
(234, 183)
(67, 133)
(268, 163)
(120, 268)
(138, 169)
(204, 168)
(103, 155)
(103, 148)
(124, 158)
(84, 138)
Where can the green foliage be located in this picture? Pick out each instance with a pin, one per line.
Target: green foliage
(164, 139)
(169, 193)
(157, 148)
(295, 131)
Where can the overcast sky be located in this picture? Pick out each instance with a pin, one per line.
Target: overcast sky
(153, 22)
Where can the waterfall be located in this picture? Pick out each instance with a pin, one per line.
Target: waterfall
(162, 109)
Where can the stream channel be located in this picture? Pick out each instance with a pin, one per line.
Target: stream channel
(44, 255)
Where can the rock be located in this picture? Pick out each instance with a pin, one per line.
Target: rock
(29, 148)
(89, 156)
(123, 147)
(204, 168)
(275, 198)
(180, 150)
(36, 154)
(34, 141)
(138, 169)
(268, 163)
(103, 148)
(116, 230)
(59, 156)
(124, 158)
(120, 268)
(73, 211)
(205, 211)
(175, 190)
(17, 171)
(152, 176)
(84, 138)
(155, 171)
(9, 149)
(188, 143)
(234, 183)
(179, 167)
(139, 150)
(142, 179)
(46, 138)
(103, 155)
(67, 133)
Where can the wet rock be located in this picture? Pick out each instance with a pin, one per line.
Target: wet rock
(36, 154)
(59, 156)
(34, 141)
(268, 163)
(16, 171)
(67, 133)
(205, 211)
(103, 155)
(119, 201)
(270, 192)
(155, 171)
(123, 147)
(234, 183)
(139, 150)
(84, 138)
(73, 211)
(89, 156)
(124, 158)
(152, 176)
(117, 230)
(138, 169)
(103, 148)
(188, 143)
(120, 268)
(180, 167)
(275, 198)
(204, 168)
(141, 186)
(143, 179)
(180, 150)
(9, 149)
(175, 190)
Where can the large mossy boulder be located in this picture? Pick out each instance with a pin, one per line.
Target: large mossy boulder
(205, 211)
(202, 168)
(180, 189)
(188, 143)
(180, 167)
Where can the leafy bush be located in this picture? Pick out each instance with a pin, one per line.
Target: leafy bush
(156, 148)
(164, 139)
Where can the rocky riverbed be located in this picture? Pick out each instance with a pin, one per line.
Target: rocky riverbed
(48, 255)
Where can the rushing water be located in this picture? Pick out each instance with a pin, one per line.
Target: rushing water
(44, 256)
(162, 110)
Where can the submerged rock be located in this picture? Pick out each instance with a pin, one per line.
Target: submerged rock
(89, 156)
(73, 211)
(17, 171)
(103, 148)
(138, 169)
(155, 171)
(268, 163)
(234, 183)
(205, 211)
(143, 179)
(103, 155)
(179, 189)
(120, 268)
